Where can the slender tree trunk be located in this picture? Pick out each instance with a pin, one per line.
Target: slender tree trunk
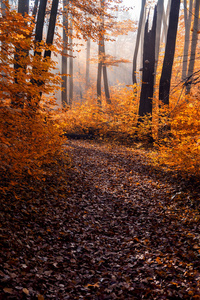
(102, 65)
(18, 101)
(142, 46)
(187, 19)
(40, 23)
(65, 52)
(71, 65)
(35, 8)
(88, 64)
(160, 8)
(79, 77)
(3, 45)
(51, 28)
(105, 76)
(99, 73)
(141, 21)
(3, 7)
(193, 46)
(146, 96)
(49, 40)
(165, 22)
(165, 79)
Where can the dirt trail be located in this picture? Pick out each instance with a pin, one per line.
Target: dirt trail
(135, 242)
(114, 233)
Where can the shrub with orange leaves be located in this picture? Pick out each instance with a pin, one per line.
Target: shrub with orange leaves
(181, 151)
(31, 142)
(117, 121)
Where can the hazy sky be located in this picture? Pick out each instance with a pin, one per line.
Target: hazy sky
(136, 4)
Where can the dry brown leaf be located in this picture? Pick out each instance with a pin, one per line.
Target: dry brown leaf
(8, 290)
(25, 291)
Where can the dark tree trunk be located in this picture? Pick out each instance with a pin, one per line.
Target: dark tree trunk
(148, 74)
(49, 41)
(165, 79)
(18, 101)
(51, 28)
(102, 65)
(3, 45)
(193, 46)
(105, 76)
(160, 8)
(64, 56)
(141, 20)
(71, 66)
(40, 23)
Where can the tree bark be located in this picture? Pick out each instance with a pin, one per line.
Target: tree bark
(40, 23)
(71, 83)
(160, 8)
(49, 40)
(187, 19)
(18, 101)
(35, 8)
(105, 77)
(141, 20)
(99, 73)
(165, 80)
(165, 21)
(51, 28)
(65, 52)
(148, 74)
(102, 65)
(193, 46)
(88, 64)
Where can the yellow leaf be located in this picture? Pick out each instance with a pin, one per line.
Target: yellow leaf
(40, 297)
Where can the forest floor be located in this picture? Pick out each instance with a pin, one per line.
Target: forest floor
(118, 228)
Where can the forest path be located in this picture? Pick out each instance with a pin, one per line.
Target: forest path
(110, 229)
(134, 241)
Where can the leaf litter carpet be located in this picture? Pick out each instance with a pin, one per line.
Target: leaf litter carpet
(120, 229)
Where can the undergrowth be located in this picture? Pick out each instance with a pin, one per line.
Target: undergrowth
(177, 148)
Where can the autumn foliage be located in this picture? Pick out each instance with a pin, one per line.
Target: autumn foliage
(30, 141)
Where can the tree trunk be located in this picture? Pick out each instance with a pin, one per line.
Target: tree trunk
(71, 83)
(141, 48)
(165, 21)
(187, 19)
(40, 23)
(146, 96)
(165, 80)
(3, 6)
(193, 47)
(18, 101)
(65, 52)
(105, 76)
(160, 8)
(102, 65)
(3, 45)
(51, 28)
(35, 8)
(88, 64)
(99, 72)
(49, 41)
(138, 41)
